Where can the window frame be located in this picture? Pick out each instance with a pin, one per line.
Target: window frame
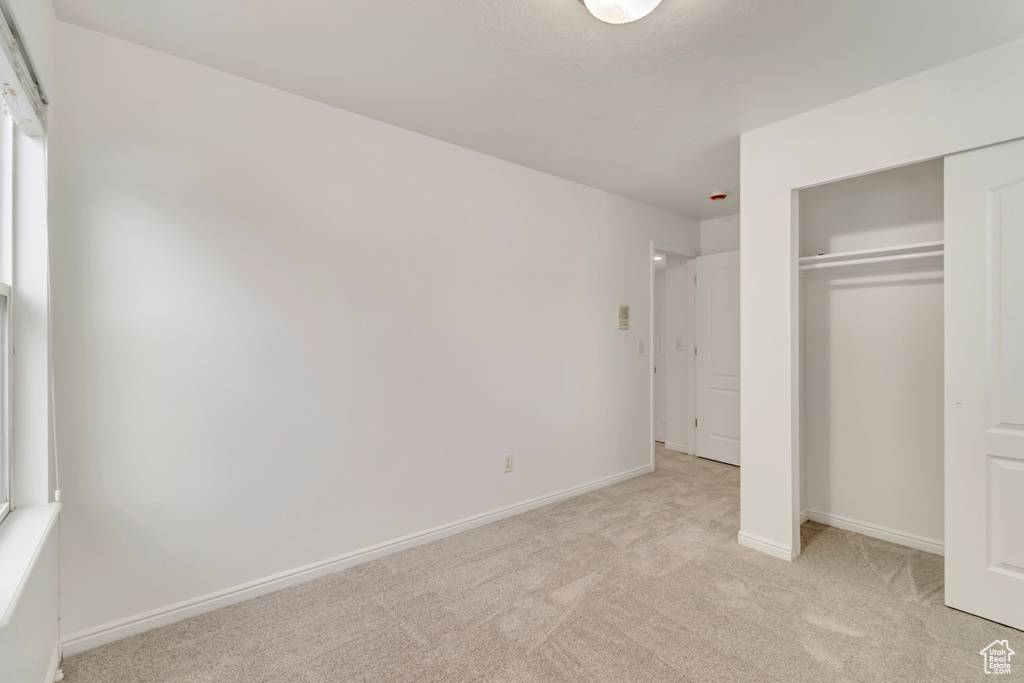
(23, 206)
(7, 465)
(6, 408)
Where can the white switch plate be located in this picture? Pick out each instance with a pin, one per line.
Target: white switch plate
(508, 464)
(639, 345)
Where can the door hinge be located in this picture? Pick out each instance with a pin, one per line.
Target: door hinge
(695, 350)
(695, 424)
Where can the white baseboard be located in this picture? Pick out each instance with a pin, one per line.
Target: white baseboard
(910, 540)
(679, 448)
(122, 628)
(51, 671)
(783, 552)
(805, 516)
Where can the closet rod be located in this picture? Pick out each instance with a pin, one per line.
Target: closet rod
(876, 259)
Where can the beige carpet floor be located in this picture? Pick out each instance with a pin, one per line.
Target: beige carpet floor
(641, 581)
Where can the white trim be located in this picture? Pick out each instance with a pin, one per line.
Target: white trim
(673, 249)
(691, 344)
(928, 545)
(51, 671)
(22, 539)
(6, 395)
(783, 552)
(805, 516)
(7, 270)
(652, 390)
(678, 448)
(129, 626)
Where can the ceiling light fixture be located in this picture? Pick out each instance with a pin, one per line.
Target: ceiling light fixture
(620, 11)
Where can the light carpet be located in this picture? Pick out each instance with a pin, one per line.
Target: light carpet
(640, 581)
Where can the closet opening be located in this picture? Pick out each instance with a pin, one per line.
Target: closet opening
(871, 355)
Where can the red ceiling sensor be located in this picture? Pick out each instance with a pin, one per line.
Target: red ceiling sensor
(718, 196)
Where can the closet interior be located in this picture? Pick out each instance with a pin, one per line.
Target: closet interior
(871, 328)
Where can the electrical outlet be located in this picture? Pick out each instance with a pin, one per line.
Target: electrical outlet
(679, 344)
(508, 464)
(639, 345)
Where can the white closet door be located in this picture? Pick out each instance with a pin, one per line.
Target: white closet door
(718, 357)
(985, 383)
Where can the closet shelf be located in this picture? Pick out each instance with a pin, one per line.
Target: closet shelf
(849, 258)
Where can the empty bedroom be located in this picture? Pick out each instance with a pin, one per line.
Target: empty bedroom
(532, 340)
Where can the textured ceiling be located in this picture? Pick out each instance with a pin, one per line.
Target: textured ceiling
(650, 110)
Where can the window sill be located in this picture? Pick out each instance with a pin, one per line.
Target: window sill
(22, 535)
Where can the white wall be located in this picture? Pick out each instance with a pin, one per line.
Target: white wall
(285, 332)
(962, 105)
(873, 358)
(720, 235)
(886, 209)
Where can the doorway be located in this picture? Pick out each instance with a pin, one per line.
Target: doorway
(672, 341)
(694, 303)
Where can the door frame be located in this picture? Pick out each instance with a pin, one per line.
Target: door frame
(685, 252)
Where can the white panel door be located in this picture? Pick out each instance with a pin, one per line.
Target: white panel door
(718, 357)
(985, 383)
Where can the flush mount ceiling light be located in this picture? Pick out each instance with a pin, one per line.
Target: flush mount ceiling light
(620, 11)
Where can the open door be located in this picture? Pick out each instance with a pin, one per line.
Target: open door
(660, 360)
(718, 357)
(984, 534)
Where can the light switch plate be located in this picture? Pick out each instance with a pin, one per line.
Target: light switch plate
(623, 317)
